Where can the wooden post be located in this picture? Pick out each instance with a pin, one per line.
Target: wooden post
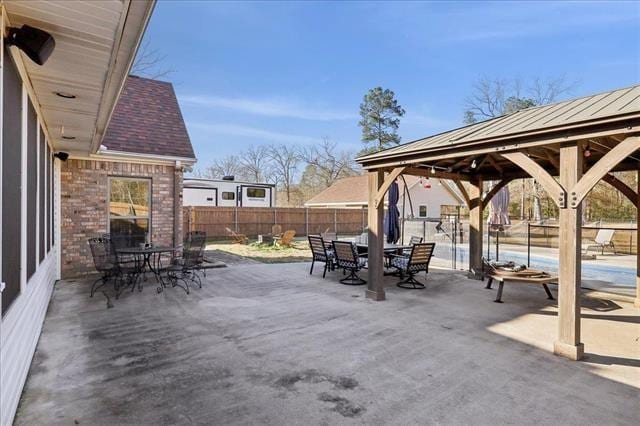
(475, 229)
(570, 238)
(637, 301)
(375, 286)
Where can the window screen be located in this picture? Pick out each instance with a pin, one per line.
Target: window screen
(256, 192)
(11, 178)
(32, 184)
(129, 210)
(42, 195)
(228, 196)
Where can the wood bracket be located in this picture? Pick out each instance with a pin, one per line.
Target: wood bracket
(389, 179)
(553, 188)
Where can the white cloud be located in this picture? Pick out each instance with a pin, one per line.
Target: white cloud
(251, 132)
(268, 107)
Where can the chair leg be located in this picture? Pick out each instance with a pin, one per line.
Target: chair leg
(324, 272)
(313, 262)
(102, 280)
(352, 278)
(499, 295)
(411, 283)
(546, 289)
(489, 282)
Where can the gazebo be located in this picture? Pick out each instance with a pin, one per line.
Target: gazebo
(547, 143)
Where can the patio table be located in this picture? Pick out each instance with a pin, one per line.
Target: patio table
(143, 257)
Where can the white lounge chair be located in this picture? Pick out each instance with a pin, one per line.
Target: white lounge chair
(603, 239)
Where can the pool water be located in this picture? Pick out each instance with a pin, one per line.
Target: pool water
(618, 275)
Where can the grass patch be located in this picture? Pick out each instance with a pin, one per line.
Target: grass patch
(267, 253)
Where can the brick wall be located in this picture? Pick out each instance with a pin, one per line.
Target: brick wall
(84, 205)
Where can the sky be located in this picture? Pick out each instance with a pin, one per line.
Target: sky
(255, 73)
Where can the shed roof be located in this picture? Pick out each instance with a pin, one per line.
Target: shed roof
(616, 106)
(147, 120)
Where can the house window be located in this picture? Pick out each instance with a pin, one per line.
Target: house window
(256, 192)
(228, 196)
(130, 210)
(422, 211)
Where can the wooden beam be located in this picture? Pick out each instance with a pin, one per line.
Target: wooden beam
(463, 192)
(602, 167)
(494, 163)
(552, 158)
(569, 278)
(497, 187)
(622, 187)
(375, 285)
(439, 174)
(462, 161)
(636, 303)
(553, 188)
(379, 197)
(475, 229)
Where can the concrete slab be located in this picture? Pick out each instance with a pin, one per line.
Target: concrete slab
(269, 344)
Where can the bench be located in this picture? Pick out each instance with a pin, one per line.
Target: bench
(526, 276)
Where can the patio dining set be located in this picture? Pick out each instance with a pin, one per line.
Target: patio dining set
(402, 260)
(127, 265)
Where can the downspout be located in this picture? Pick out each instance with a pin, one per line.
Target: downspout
(177, 204)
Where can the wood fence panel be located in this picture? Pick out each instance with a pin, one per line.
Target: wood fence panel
(253, 221)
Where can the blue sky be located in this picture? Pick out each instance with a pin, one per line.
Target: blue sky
(283, 72)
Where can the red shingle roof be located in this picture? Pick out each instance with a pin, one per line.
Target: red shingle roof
(147, 120)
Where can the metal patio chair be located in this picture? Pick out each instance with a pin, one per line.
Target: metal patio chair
(603, 239)
(320, 253)
(105, 262)
(416, 262)
(348, 259)
(186, 268)
(200, 237)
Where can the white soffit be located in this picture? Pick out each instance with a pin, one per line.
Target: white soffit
(96, 42)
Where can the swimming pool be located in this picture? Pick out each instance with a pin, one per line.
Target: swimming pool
(618, 275)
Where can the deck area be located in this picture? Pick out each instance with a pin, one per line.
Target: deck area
(270, 344)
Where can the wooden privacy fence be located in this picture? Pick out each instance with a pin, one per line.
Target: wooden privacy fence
(253, 221)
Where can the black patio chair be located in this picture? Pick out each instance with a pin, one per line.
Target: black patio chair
(321, 253)
(348, 259)
(200, 237)
(416, 262)
(105, 262)
(185, 269)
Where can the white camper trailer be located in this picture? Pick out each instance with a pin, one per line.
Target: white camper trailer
(227, 192)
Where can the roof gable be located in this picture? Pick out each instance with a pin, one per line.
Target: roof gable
(147, 120)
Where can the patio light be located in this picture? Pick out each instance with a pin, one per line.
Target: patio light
(62, 156)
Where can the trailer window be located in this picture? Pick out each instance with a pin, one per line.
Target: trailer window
(228, 196)
(422, 212)
(256, 192)
(129, 209)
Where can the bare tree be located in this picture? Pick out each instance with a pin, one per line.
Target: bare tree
(493, 98)
(225, 166)
(329, 163)
(254, 163)
(149, 63)
(284, 160)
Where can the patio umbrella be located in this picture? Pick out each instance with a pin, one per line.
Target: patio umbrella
(392, 218)
(499, 213)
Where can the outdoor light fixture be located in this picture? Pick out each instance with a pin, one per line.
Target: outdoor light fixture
(62, 156)
(433, 170)
(474, 164)
(587, 152)
(35, 43)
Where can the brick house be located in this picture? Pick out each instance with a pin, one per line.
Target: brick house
(142, 157)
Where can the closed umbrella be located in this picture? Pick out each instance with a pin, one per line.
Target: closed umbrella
(499, 213)
(392, 218)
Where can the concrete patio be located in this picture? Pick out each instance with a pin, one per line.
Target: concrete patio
(269, 344)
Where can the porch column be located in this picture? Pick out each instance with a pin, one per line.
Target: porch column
(637, 301)
(569, 279)
(475, 229)
(375, 285)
